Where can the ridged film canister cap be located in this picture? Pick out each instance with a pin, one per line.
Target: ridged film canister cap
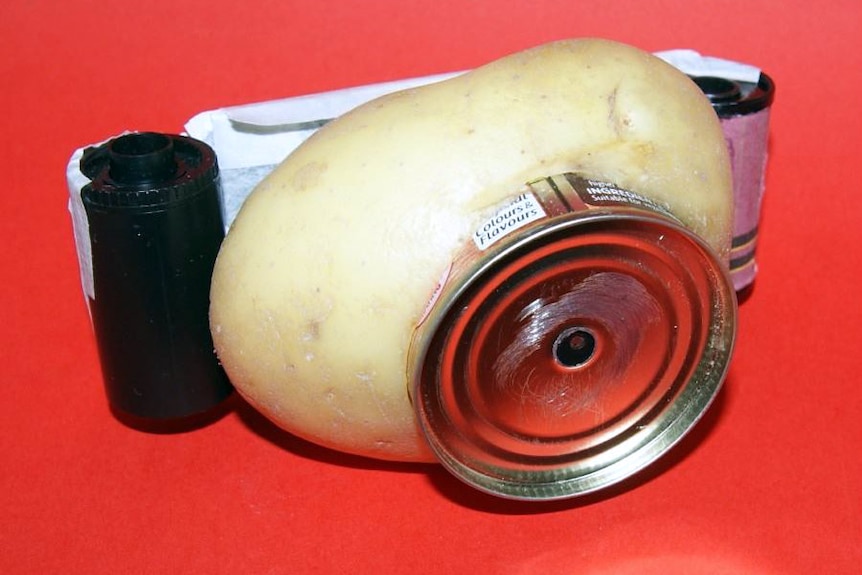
(147, 169)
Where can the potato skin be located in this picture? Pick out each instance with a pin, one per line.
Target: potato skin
(327, 268)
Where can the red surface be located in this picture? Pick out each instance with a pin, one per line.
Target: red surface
(769, 482)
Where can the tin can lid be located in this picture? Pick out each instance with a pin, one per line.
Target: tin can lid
(577, 356)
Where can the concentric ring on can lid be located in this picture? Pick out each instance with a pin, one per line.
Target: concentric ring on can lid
(575, 356)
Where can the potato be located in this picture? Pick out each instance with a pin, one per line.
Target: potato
(326, 270)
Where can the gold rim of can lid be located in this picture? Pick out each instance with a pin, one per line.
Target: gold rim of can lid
(576, 356)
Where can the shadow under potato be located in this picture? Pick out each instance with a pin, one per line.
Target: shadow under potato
(469, 497)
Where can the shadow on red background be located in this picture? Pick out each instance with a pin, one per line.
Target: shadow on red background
(466, 496)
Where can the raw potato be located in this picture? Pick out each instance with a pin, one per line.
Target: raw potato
(327, 268)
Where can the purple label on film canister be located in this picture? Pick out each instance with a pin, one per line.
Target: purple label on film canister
(743, 109)
(746, 137)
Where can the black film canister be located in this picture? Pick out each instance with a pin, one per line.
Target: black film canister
(155, 226)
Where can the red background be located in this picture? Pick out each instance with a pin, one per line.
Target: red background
(769, 482)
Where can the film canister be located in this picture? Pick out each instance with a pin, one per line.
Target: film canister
(155, 225)
(743, 109)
